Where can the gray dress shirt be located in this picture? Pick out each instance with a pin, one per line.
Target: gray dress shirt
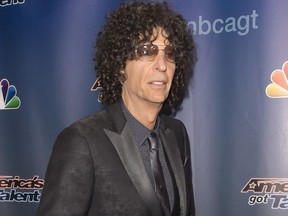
(140, 134)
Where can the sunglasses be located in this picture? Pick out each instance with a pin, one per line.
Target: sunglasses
(148, 52)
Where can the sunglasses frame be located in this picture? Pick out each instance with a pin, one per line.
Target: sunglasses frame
(155, 50)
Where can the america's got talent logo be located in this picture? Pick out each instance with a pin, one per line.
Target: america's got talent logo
(8, 96)
(17, 189)
(268, 190)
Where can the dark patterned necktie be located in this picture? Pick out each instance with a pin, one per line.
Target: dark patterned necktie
(159, 182)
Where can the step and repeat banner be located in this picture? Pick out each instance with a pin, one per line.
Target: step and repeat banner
(236, 114)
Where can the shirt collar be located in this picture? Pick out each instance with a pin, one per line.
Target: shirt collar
(139, 132)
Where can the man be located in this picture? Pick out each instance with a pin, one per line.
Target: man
(130, 158)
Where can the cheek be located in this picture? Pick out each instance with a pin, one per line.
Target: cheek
(171, 74)
(134, 80)
(135, 71)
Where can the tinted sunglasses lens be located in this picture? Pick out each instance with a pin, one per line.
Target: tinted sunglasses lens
(147, 52)
(170, 53)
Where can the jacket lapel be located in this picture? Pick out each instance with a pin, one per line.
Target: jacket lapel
(176, 163)
(131, 158)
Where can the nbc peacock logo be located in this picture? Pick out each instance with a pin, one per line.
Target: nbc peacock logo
(279, 86)
(8, 96)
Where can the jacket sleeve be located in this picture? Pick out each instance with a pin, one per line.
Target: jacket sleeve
(69, 179)
(188, 174)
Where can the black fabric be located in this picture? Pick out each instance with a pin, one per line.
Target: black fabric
(157, 171)
(140, 135)
(95, 169)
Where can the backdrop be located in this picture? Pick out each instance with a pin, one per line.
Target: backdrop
(236, 114)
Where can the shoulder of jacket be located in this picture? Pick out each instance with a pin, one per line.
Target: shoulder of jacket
(171, 122)
(89, 124)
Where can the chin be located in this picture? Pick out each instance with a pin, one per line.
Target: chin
(158, 100)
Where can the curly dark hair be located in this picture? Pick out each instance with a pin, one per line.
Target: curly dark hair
(121, 34)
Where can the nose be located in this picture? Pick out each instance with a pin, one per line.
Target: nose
(160, 61)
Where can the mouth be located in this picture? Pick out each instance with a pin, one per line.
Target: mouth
(158, 84)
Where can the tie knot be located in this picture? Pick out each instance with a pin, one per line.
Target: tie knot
(153, 141)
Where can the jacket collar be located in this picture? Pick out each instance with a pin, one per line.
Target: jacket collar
(121, 138)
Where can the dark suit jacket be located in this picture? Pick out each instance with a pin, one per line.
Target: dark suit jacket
(96, 169)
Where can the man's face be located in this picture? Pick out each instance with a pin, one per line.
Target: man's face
(149, 82)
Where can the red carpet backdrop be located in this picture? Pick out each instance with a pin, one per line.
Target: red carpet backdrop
(236, 114)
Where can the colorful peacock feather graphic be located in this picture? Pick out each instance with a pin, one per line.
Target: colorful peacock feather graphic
(8, 98)
(279, 86)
